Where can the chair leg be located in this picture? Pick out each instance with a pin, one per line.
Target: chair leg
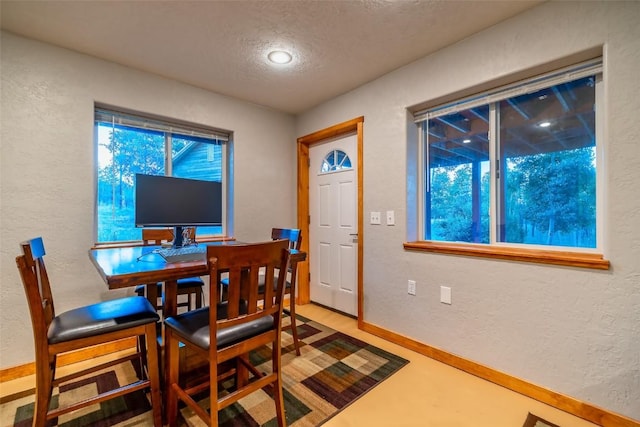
(278, 395)
(294, 328)
(213, 394)
(140, 366)
(154, 373)
(171, 399)
(44, 389)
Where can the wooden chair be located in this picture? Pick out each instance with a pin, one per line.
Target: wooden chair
(191, 287)
(83, 327)
(294, 237)
(228, 331)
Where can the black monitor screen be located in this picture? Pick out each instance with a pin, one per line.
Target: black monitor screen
(163, 201)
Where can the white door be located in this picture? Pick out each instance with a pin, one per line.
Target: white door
(333, 227)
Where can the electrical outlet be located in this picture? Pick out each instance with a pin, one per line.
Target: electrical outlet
(445, 295)
(391, 218)
(375, 218)
(411, 289)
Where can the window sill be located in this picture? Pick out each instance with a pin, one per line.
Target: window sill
(131, 243)
(570, 259)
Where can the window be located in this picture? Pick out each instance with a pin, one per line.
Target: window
(129, 143)
(516, 166)
(334, 161)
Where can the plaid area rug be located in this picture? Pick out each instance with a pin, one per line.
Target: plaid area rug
(332, 371)
(536, 421)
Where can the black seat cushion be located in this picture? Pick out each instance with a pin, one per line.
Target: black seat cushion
(194, 326)
(189, 282)
(101, 318)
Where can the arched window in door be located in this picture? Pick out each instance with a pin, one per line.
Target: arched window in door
(334, 161)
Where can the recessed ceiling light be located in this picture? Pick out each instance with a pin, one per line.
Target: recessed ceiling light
(466, 141)
(544, 124)
(279, 57)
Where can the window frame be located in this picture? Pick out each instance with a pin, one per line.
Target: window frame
(557, 255)
(333, 165)
(170, 127)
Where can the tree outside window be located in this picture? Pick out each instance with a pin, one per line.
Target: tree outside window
(125, 150)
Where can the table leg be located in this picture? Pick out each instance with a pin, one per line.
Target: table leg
(152, 294)
(170, 307)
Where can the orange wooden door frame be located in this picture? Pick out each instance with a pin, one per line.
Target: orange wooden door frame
(304, 142)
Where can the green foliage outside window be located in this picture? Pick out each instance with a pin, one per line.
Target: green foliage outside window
(125, 151)
(552, 198)
(543, 186)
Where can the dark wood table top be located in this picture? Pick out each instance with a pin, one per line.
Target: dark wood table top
(122, 267)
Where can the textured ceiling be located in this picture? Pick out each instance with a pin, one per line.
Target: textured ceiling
(222, 45)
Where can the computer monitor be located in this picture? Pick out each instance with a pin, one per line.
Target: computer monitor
(163, 201)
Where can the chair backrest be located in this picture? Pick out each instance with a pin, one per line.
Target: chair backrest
(244, 264)
(37, 288)
(157, 236)
(292, 234)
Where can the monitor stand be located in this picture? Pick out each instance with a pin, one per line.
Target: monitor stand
(178, 241)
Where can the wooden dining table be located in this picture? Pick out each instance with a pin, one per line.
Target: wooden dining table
(128, 266)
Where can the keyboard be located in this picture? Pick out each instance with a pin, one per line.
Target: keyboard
(184, 254)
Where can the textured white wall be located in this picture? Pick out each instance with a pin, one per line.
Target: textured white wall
(574, 331)
(47, 167)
